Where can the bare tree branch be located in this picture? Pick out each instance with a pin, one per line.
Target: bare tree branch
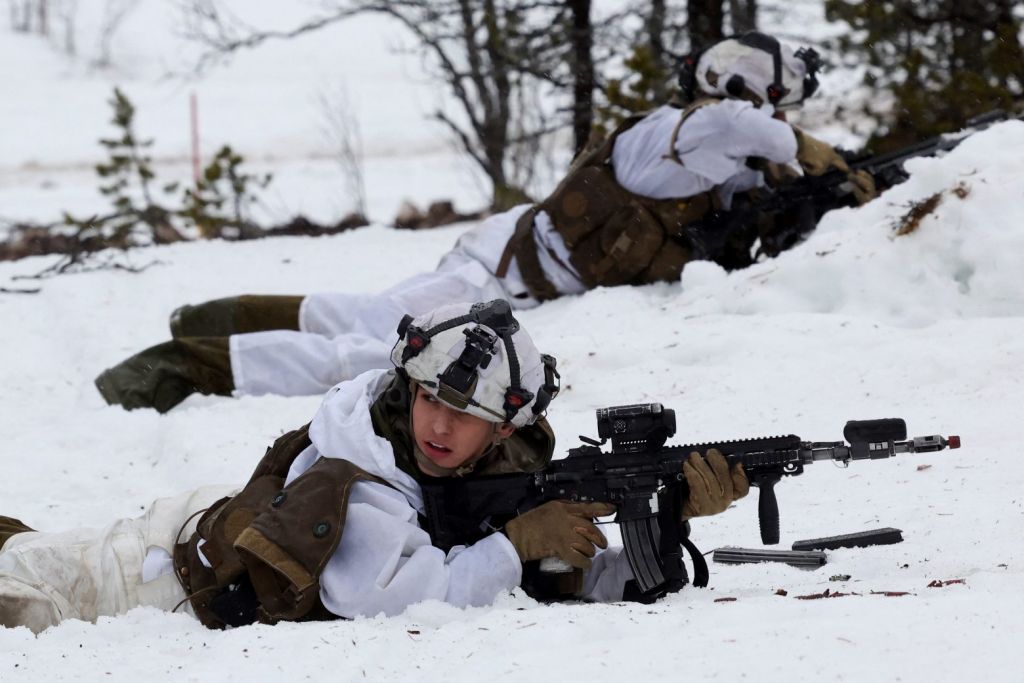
(208, 23)
(485, 51)
(340, 126)
(467, 145)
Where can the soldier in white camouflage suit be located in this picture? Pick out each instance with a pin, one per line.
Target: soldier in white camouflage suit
(621, 216)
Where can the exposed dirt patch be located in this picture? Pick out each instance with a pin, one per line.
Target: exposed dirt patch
(917, 212)
(911, 220)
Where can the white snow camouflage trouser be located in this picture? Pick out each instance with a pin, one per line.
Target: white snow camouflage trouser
(85, 574)
(344, 335)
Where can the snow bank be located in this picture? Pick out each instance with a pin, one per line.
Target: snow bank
(963, 258)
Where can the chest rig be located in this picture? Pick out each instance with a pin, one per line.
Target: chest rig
(614, 236)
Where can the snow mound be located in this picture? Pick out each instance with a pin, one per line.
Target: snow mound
(959, 258)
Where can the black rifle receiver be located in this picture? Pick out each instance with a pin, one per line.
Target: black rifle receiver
(643, 478)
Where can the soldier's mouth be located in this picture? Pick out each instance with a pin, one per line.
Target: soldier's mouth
(437, 449)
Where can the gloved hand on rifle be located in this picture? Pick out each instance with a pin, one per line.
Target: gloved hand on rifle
(817, 158)
(713, 485)
(559, 529)
(863, 186)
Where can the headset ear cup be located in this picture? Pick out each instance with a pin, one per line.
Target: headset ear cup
(403, 325)
(688, 75)
(775, 93)
(735, 86)
(810, 86)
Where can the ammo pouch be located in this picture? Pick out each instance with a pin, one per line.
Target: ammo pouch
(275, 539)
(616, 237)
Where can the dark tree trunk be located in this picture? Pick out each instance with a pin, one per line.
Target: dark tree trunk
(655, 29)
(744, 15)
(44, 24)
(704, 22)
(497, 102)
(583, 72)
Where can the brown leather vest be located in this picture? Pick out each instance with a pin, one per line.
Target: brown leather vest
(282, 537)
(614, 236)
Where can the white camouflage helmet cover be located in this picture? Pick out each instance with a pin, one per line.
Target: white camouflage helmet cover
(730, 57)
(488, 396)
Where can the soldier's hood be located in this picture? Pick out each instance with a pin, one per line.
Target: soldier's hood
(343, 428)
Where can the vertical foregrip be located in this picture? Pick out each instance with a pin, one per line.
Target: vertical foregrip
(768, 511)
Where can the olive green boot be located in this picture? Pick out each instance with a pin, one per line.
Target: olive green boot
(9, 527)
(236, 315)
(164, 375)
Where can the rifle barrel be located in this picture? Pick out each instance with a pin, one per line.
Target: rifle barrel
(839, 451)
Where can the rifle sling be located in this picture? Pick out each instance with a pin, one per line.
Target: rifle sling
(701, 575)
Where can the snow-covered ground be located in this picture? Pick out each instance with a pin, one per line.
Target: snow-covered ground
(855, 323)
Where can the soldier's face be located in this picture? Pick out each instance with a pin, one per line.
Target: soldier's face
(447, 437)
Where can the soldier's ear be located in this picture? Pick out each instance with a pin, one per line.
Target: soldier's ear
(505, 430)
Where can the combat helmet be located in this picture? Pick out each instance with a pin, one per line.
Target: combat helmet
(477, 359)
(753, 66)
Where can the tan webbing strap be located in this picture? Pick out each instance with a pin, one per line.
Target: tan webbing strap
(673, 153)
(524, 227)
(524, 248)
(533, 274)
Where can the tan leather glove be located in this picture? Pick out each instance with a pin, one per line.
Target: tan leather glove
(779, 175)
(713, 486)
(816, 156)
(863, 186)
(559, 529)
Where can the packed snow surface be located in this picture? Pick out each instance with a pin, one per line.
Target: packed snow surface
(855, 323)
(858, 322)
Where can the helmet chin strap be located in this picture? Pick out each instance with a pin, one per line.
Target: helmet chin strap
(468, 466)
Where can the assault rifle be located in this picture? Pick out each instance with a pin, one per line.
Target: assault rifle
(643, 478)
(795, 208)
